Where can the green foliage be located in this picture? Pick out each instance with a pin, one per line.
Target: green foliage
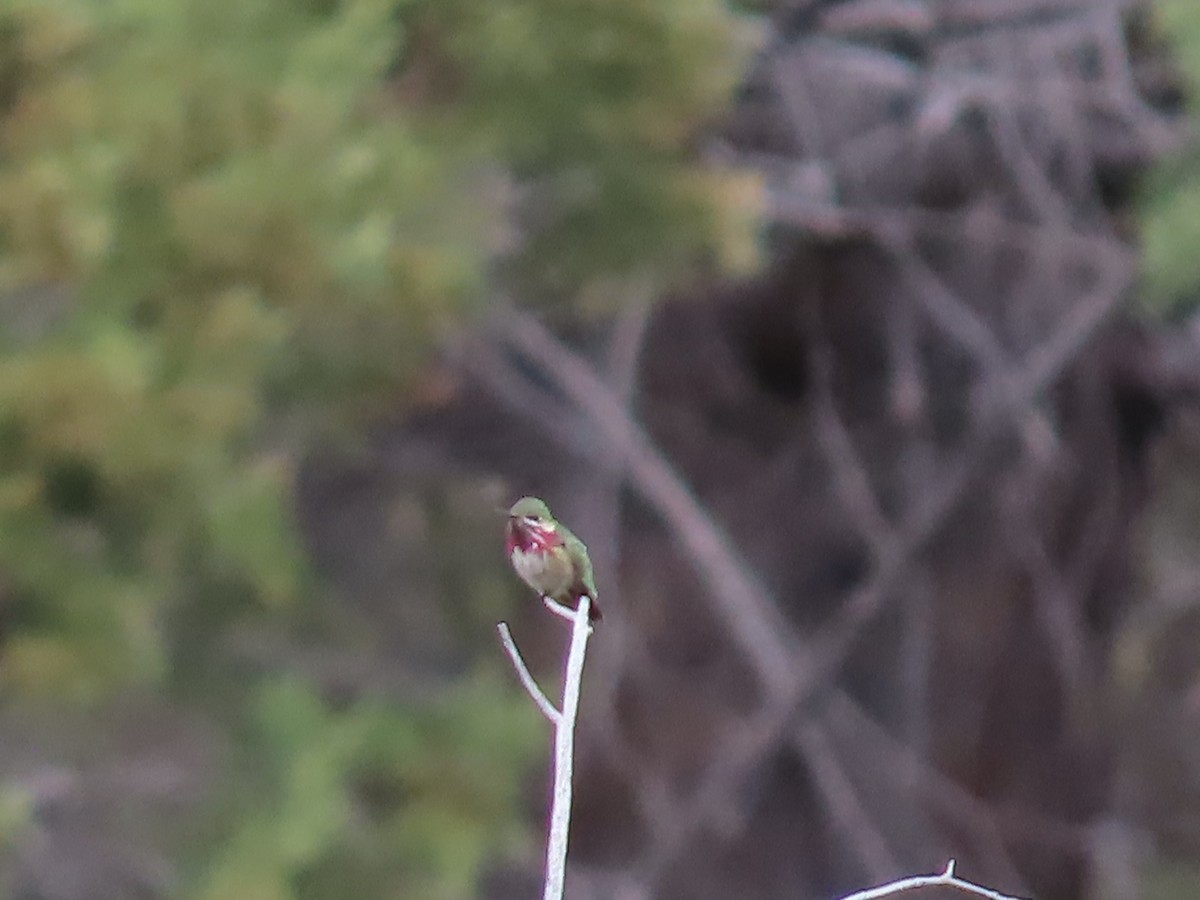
(253, 229)
(1171, 203)
(619, 85)
(1172, 881)
(231, 228)
(383, 796)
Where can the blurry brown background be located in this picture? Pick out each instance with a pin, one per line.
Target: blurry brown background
(879, 418)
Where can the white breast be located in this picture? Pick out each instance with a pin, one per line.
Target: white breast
(528, 565)
(542, 571)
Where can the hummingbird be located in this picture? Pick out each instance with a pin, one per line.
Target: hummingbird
(548, 557)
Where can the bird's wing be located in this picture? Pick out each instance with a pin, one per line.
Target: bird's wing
(579, 557)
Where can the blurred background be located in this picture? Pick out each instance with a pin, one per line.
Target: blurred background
(860, 340)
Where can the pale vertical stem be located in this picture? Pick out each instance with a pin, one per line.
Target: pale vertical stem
(564, 751)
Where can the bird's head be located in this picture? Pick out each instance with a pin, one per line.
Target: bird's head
(530, 511)
(530, 525)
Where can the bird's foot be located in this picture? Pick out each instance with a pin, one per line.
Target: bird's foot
(562, 610)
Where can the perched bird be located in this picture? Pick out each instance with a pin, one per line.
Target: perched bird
(548, 557)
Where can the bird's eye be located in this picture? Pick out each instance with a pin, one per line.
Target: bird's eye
(531, 520)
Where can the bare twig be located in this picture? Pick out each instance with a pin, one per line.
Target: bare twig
(564, 753)
(564, 739)
(945, 879)
(548, 709)
(559, 609)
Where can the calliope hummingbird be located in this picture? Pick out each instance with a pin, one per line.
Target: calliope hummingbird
(548, 557)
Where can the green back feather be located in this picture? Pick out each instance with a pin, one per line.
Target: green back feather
(577, 550)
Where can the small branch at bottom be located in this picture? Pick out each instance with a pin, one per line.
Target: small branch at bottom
(945, 879)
